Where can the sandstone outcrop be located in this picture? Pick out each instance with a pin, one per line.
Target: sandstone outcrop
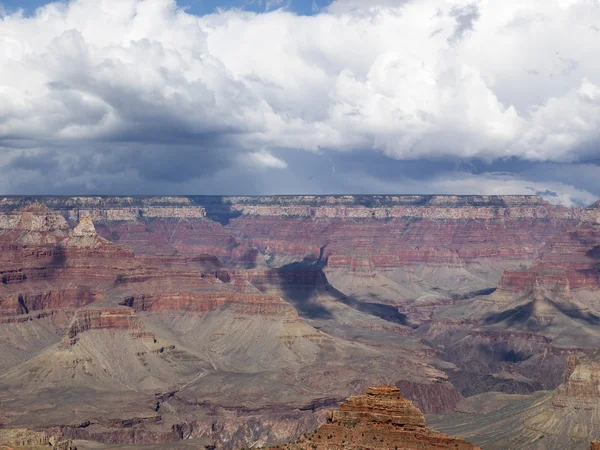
(16, 439)
(382, 404)
(379, 419)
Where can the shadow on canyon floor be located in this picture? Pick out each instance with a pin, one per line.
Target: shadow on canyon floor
(515, 316)
(301, 290)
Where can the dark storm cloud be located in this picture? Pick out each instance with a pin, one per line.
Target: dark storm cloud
(173, 163)
(42, 162)
(177, 164)
(140, 171)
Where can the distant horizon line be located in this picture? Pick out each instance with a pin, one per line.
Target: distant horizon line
(271, 195)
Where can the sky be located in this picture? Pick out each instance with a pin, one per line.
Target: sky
(202, 7)
(301, 97)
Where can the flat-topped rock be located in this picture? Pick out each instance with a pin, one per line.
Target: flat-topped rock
(382, 404)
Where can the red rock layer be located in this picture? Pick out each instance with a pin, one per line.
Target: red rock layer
(273, 280)
(397, 242)
(203, 302)
(97, 319)
(569, 260)
(378, 231)
(379, 419)
(26, 303)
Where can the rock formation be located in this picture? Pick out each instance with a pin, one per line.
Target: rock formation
(379, 419)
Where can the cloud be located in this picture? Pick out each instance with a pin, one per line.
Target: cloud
(465, 17)
(465, 183)
(141, 87)
(262, 160)
(505, 184)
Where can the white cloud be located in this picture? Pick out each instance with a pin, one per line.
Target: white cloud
(262, 160)
(411, 79)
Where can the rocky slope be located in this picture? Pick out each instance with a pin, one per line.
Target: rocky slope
(564, 418)
(379, 419)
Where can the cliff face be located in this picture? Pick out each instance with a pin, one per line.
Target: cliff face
(532, 322)
(573, 255)
(112, 208)
(580, 388)
(379, 419)
(99, 319)
(387, 231)
(264, 305)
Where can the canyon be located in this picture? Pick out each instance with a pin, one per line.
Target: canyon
(236, 322)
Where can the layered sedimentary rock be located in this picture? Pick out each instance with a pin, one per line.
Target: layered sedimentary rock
(202, 302)
(386, 231)
(401, 230)
(379, 419)
(381, 404)
(570, 258)
(434, 206)
(113, 208)
(46, 265)
(15, 304)
(580, 388)
(99, 319)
